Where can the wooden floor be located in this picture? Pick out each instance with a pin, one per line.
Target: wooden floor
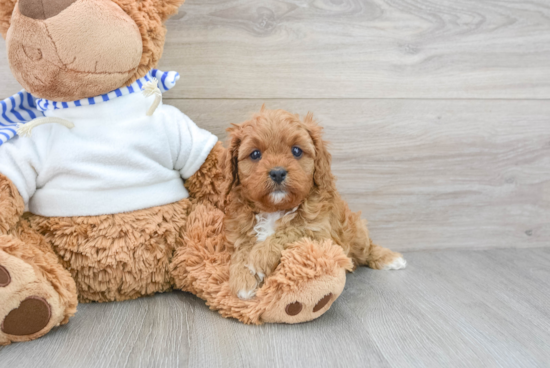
(447, 309)
(439, 116)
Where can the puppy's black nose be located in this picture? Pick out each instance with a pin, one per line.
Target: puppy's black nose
(278, 175)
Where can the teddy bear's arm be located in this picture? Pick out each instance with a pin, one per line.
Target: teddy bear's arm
(11, 205)
(206, 183)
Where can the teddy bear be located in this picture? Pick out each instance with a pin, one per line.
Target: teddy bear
(106, 193)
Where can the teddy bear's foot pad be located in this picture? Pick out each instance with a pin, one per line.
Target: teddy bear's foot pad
(29, 305)
(322, 303)
(5, 277)
(309, 303)
(33, 315)
(293, 309)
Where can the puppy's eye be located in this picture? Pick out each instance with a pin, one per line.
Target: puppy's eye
(297, 152)
(256, 155)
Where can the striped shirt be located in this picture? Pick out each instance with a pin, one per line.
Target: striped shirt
(24, 107)
(115, 158)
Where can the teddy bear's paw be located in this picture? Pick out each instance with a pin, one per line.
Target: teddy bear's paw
(29, 305)
(310, 277)
(310, 302)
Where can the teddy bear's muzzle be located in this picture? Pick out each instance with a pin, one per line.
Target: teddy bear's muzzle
(65, 50)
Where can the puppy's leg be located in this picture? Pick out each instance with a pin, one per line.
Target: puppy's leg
(381, 258)
(265, 256)
(242, 277)
(364, 252)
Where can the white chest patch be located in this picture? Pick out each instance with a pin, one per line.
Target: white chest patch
(266, 223)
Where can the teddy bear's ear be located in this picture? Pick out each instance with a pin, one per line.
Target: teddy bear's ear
(167, 8)
(6, 9)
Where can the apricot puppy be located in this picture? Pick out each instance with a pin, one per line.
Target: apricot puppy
(282, 190)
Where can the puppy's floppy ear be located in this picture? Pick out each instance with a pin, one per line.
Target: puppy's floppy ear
(230, 162)
(6, 9)
(322, 176)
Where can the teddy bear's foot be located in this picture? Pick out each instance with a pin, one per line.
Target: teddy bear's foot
(29, 305)
(309, 279)
(312, 300)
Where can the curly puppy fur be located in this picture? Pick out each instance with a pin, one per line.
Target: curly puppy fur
(309, 187)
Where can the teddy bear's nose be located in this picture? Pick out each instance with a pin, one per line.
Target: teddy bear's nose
(43, 9)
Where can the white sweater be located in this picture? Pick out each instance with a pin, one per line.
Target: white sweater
(115, 159)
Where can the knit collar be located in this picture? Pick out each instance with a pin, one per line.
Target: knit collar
(167, 80)
(24, 107)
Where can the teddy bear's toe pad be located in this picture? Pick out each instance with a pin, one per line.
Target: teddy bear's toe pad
(33, 315)
(309, 302)
(5, 277)
(322, 303)
(293, 309)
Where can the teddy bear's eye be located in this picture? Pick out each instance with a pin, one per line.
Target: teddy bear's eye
(297, 152)
(256, 155)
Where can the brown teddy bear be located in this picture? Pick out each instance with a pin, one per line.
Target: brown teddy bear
(92, 202)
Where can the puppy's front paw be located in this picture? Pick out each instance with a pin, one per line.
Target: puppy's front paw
(243, 283)
(263, 261)
(396, 264)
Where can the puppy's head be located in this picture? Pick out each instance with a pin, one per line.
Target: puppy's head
(276, 159)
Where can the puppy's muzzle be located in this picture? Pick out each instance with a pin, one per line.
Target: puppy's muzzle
(278, 174)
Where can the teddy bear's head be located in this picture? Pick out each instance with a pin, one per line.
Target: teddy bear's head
(65, 50)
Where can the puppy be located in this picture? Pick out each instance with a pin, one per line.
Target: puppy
(281, 189)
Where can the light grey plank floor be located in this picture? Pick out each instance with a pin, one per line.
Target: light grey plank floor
(447, 309)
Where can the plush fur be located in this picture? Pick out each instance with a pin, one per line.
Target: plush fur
(117, 257)
(149, 15)
(310, 207)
